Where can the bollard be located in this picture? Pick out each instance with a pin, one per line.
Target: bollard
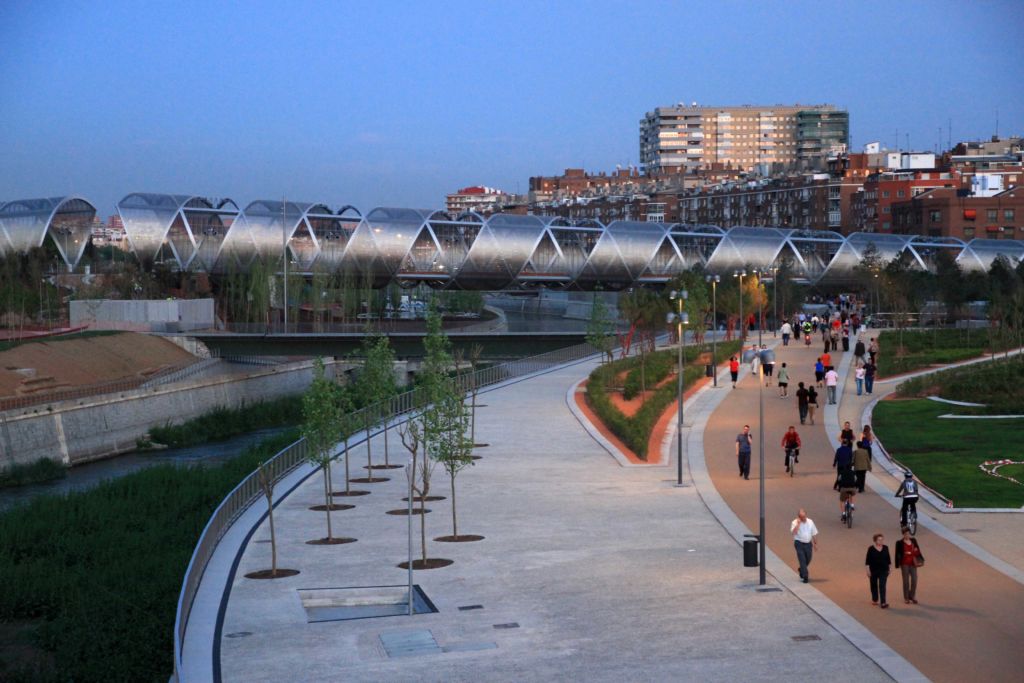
(709, 370)
(750, 553)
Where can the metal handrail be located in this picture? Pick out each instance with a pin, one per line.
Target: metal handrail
(285, 461)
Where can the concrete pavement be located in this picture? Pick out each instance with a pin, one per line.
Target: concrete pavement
(608, 573)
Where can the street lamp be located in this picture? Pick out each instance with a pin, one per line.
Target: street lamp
(741, 274)
(680, 318)
(757, 359)
(760, 309)
(714, 280)
(775, 300)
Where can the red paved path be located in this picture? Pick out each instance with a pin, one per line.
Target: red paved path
(969, 625)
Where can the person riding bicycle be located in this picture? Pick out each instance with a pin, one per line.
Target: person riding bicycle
(807, 332)
(791, 443)
(847, 483)
(908, 491)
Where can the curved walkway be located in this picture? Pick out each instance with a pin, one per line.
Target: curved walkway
(963, 601)
(592, 572)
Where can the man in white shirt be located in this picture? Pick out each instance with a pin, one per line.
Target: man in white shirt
(831, 380)
(805, 540)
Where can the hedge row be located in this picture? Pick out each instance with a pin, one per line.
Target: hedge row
(93, 576)
(635, 431)
(657, 367)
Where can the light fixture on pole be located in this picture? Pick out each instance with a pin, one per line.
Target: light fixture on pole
(681, 318)
(714, 280)
(741, 274)
(775, 299)
(757, 359)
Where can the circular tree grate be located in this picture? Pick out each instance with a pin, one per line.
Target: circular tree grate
(405, 511)
(337, 540)
(461, 538)
(424, 499)
(369, 480)
(350, 494)
(430, 563)
(334, 507)
(268, 574)
(382, 467)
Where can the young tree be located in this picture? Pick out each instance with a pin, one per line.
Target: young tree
(475, 352)
(375, 385)
(267, 486)
(411, 434)
(600, 329)
(321, 419)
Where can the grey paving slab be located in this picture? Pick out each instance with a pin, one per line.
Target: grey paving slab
(611, 573)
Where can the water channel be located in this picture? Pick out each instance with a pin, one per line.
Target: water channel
(90, 474)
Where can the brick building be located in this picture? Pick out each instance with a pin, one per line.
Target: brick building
(475, 198)
(952, 212)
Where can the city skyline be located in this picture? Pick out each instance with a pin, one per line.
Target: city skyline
(303, 102)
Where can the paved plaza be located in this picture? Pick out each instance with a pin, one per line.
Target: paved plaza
(590, 570)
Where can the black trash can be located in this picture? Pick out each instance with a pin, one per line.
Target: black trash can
(750, 553)
(709, 370)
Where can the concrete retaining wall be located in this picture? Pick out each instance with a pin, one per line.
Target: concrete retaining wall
(88, 429)
(164, 315)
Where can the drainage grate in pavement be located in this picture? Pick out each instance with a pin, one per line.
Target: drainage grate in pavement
(511, 624)
(238, 634)
(341, 604)
(968, 531)
(804, 639)
(466, 608)
(409, 643)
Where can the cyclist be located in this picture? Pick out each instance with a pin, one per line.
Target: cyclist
(908, 491)
(807, 332)
(791, 442)
(847, 483)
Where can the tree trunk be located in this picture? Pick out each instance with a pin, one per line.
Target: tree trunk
(423, 529)
(455, 525)
(346, 466)
(472, 421)
(386, 462)
(273, 540)
(369, 451)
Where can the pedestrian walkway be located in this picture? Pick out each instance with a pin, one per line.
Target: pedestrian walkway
(964, 603)
(588, 571)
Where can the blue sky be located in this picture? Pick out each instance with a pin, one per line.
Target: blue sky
(398, 103)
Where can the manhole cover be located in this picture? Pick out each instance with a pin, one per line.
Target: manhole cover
(804, 639)
(341, 604)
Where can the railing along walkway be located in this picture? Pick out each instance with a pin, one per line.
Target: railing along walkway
(248, 491)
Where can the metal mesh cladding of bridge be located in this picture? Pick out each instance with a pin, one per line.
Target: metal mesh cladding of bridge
(468, 251)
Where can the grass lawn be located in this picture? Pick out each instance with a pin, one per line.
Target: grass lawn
(922, 348)
(945, 454)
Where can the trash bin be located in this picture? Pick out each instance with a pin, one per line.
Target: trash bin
(709, 370)
(750, 553)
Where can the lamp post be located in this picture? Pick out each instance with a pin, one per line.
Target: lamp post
(680, 318)
(760, 308)
(758, 358)
(714, 280)
(743, 326)
(775, 300)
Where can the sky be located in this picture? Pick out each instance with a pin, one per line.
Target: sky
(399, 103)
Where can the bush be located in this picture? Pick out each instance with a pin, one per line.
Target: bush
(635, 431)
(224, 423)
(96, 574)
(923, 348)
(657, 367)
(32, 473)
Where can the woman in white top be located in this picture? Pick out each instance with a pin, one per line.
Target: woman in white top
(858, 377)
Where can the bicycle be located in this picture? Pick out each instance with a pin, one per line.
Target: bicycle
(848, 510)
(910, 520)
(791, 459)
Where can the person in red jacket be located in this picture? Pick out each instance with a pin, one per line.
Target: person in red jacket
(734, 370)
(791, 444)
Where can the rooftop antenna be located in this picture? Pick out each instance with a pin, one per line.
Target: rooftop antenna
(997, 123)
(949, 133)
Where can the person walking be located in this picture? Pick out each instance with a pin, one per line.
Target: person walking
(819, 372)
(826, 360)
(876, 566)
(847, 433)
(846, 337)
(873, 351)
(805, 540)
(802, 402)
(861, 464)
(831, 381)
(859, 351)
(768, 367)
(734, 370)
(812, 402)
(858, 378)
(783, 379)
(834, 337)
(791, 442)
(907, 556)
(743, 443)
(869, 376)
(787, 332)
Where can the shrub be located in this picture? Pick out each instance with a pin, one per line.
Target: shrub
(31, 473)
(224, 423)
(96, 573)
(657, 367)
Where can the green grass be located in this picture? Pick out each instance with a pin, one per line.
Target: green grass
(945, 454)
(635, 431)
(224, 423)
(12, 343)
(31, 473)
(92, 577)
(999, 384)
(923, 348)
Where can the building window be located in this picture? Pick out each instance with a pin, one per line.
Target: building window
(1007, 214)
(885, 209)
(992, 214)
(885, 194)
(900, 193)
(935, 216)
(886, 225)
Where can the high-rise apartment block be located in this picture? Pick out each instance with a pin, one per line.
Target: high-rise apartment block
(765, 138)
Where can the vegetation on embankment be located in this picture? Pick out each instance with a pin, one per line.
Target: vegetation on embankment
(224, 423)
(84, 334)
(924, 348)
(31, 473)
(635, 431)
(999, 384)
(91, 578)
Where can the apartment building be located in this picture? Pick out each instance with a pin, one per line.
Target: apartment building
(949, 212)
(683, 138)
(476, 198)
